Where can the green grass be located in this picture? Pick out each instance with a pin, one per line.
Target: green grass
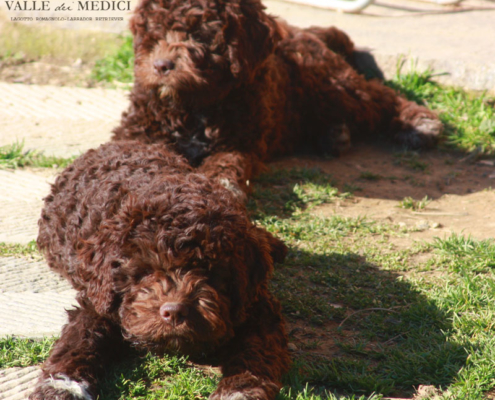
(118, 66)
(152, 377)
(16, 352)
(14, 156)
(370, 176)
(295, 189)
(410, 159)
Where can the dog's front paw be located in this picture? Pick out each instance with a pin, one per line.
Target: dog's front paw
(336, 141)
(61, 387)
(234, 188)
(245, 387)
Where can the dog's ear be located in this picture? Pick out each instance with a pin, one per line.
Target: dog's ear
(99, 257)
(263, 250)
(260, 250)
(251, 36)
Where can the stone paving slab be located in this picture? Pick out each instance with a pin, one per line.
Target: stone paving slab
(22, 274)
(21, 200)
(34, 315)
(17, 383)
(33, 300)
(60, 121)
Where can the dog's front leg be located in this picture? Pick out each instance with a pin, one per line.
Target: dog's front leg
(87, 345)
(257, 356)
(233, 170)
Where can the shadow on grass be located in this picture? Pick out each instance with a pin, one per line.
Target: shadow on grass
(357, 330)
(360, 329)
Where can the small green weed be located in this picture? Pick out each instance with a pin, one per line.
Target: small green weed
(411, 160)
(351, 188)
(18, 250)
(13, 156)
(416, 205)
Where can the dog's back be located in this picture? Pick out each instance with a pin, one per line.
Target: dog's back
(93, 189)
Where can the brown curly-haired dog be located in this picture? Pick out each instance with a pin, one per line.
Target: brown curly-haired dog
(222, 79)
(164, 259)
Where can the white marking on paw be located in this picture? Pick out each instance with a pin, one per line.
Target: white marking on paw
(233, 187)
(63, 382)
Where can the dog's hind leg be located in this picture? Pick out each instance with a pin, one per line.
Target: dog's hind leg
(336, 40)
(339, 42)
(87, 345)
(372, 109)
(415, 126)
(333, 94)
(405, 122)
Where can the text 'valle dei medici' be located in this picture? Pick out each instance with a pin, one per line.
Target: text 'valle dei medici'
(72, 6)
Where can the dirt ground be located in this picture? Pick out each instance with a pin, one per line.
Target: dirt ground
(459, 188)
(46, 73)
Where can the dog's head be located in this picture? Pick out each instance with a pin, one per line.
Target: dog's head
(194, 47)
(180, 267)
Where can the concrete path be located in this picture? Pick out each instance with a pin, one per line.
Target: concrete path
(60, 121)
(17, 383)
(33, 301)
(21, 197)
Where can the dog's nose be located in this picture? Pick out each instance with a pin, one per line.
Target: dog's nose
(163, 65)
(174, 313)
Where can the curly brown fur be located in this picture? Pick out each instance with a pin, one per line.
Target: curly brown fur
(163, 259)
(219, 76)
